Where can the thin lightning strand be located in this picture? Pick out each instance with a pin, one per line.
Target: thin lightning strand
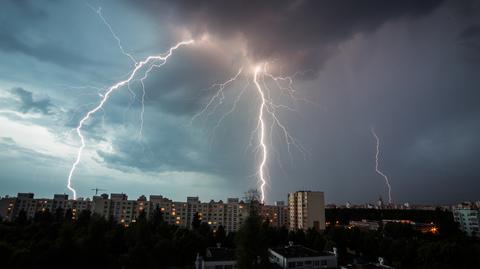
(162, 58)
(219, 95)
(387, 182)
(261, 125)
(119, 43)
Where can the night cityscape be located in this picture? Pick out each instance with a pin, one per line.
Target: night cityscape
(239, 134)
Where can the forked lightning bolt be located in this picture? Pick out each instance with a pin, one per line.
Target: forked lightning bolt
(267, 114)
(261, 127)
(149, 63)
(387, 181)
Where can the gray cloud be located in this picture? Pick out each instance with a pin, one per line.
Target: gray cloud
(9, 147)
(16, 36)
(404, 67)
(47, 52)
(28, 104)
(300, 34)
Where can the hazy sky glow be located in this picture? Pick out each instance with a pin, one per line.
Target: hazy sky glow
(409, 69)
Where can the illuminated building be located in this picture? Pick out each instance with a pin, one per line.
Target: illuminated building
(120, 209)
(307, 210)
(467, 215)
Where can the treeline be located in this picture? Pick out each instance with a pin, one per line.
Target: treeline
(54, 241)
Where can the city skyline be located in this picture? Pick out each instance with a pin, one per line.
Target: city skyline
(406, 71)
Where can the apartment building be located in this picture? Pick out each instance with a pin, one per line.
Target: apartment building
(277, 215)
(467, 215)
(119, 208)
(307, 210)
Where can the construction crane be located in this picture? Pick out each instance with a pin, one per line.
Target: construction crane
(97, 189)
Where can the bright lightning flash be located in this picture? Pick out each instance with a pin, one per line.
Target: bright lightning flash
(261, 126)
(148, 63)
(387, 182)
(267, 114)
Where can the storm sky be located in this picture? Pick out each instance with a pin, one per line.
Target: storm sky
(408, 69)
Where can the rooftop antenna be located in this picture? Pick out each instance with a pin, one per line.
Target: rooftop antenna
(97, 189)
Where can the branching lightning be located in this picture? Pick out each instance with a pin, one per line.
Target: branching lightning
(267, 109)
(150, 61)
(267, 112)
(261, 127)
(387, 182)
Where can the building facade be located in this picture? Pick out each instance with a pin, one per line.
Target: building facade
(297, 256)
(467, 215)
(117, 207)
(306, 210)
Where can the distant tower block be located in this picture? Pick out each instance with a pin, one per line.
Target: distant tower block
(307, 210)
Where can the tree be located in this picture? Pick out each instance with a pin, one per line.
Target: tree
(59, 214)
(21, 218)
(196, 221)
(68, 215)
(220, 235)
(251, 242)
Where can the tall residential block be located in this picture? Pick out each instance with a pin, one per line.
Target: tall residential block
(307, 210)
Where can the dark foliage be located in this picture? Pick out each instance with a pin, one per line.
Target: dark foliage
(55, 240)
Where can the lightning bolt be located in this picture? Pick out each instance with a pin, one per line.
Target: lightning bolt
(267, 115)
(119, 43)
(387, 182)
(154, 60)
(261, 127)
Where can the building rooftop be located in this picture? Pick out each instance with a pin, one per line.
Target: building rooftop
(219, 254)
(296, 251)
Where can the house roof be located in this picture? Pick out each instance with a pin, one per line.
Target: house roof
(298, 251)
(219, 254)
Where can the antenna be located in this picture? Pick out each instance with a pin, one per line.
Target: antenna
(97, 189)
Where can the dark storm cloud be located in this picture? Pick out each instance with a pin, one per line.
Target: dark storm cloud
(181, 87)
(11, 42)
(28, 8)
(169, 150)
(28, 104)
(470, 38)
(300, 34)
(15, 36)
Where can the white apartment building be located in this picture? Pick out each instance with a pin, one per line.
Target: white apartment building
(307, 210)
(120, 209)
(230, 215)
(467, 215)
(296, 256)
